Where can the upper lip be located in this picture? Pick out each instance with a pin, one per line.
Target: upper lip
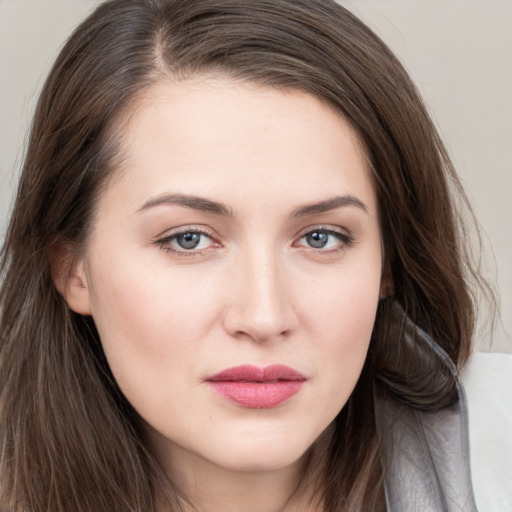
(251, 373)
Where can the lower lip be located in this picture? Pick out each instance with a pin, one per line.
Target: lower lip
(257, 395)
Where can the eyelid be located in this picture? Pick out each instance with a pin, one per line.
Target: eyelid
(164, 240)
(186, 228)
(346, 238)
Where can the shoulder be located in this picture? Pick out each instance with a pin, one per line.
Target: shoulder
(487, 380)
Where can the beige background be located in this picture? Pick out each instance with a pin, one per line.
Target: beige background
(459, 52)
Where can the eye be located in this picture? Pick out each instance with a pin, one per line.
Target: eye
(191, 240)
(325, 239)
(187, 242)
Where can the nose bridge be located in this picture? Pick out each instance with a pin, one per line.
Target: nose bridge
(260, 307)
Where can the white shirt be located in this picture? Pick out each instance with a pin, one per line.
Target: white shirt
(487, 380)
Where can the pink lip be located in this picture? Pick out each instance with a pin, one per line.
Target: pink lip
(257, 388)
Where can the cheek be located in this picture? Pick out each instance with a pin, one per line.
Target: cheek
(150, 324)
(344, 302)
(341, 319)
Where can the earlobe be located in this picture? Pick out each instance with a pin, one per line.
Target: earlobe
(70, 279)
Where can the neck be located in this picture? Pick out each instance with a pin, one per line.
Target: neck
(210, 488)
(215, 490)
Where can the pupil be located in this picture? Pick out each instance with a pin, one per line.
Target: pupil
(317, 239)
(189, 240)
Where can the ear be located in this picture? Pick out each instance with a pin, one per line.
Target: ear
(387, 286)
(69, 276)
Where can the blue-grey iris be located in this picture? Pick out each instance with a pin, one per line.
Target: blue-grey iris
(317, 239)
(188, 240)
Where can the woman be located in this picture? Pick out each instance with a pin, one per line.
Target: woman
(232, 249)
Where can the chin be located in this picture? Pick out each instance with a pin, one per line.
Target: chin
(263, 454)
(263, 460)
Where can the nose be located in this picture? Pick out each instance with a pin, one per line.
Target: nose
(259, 305)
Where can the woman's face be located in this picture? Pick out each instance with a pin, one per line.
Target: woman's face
(233, 271)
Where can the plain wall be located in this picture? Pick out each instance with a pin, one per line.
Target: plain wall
(459, 52)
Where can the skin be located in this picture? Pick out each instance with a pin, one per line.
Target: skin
(254, 291)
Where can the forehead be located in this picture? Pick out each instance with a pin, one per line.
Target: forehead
(216, 136)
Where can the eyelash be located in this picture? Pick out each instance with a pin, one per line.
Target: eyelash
(346, 240)
(165, 243)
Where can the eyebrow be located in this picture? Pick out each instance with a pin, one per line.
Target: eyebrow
(195, 202)
(207, 205)
(329, 204)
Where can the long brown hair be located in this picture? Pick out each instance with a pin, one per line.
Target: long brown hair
(69, 440)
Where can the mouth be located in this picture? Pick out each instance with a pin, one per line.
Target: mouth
(257, 388)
